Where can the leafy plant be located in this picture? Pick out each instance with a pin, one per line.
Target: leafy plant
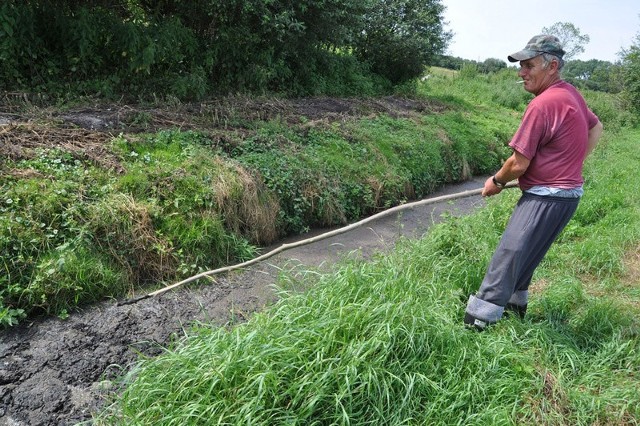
(195, 49)
(10, 317)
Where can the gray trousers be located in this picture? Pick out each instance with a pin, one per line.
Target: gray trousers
(534, 225)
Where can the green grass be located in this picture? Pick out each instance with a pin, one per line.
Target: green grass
(381, 342)
(497, 90)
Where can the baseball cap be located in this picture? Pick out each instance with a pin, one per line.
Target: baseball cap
(538, 45)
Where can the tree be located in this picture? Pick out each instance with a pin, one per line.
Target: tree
(594, 74)
(492, 65)
(401, 37)
(631, 73)
(193, 48)
(182, 47)
(570, 37)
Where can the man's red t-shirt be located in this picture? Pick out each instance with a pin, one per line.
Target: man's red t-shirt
(553, 135)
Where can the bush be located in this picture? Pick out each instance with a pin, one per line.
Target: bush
(400, 37)
(611, 110)
(190, 50)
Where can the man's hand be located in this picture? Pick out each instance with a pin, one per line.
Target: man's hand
(490, 188)
(513, 168)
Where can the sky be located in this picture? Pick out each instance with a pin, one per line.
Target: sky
(497, 28)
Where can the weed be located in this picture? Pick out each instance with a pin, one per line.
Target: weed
(10, 317)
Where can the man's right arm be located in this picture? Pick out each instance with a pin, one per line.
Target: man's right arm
(513, 168)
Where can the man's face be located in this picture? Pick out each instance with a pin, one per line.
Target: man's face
(536, 75)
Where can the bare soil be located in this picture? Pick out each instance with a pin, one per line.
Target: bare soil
(61, 372)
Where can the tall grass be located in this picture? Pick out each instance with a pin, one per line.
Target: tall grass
(472, 89)
(327, 175)
(381, 342)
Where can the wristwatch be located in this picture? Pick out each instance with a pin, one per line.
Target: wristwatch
(498, 183)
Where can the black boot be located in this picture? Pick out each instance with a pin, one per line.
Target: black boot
(519, 310)
(472, 322)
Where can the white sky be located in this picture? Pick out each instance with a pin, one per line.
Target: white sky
(497, 28)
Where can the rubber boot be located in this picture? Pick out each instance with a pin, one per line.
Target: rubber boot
(475, 323)
(514, 309)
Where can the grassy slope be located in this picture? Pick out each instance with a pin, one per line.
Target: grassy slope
(381, 342)
(74, 230)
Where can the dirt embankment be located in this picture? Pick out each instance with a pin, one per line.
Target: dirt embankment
(59, 372)
(84, 132)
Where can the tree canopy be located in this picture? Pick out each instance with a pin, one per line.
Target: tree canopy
(400, 37)
(190, 48)
(570, 37)
(631, 73)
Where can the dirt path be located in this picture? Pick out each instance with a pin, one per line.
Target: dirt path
(58, 372)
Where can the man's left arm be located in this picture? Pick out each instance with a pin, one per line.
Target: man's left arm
(594, 134)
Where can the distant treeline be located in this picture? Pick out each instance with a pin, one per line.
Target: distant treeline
(594, 74)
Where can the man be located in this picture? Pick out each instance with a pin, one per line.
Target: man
(556, 134)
